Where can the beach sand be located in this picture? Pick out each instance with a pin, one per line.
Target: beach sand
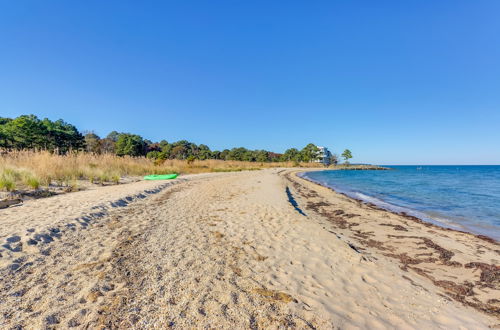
(259, 249)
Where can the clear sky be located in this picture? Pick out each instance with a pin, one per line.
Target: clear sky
(397, 82)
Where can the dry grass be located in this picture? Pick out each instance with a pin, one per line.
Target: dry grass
(32, 169)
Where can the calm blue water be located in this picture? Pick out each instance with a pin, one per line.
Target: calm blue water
(460, 197)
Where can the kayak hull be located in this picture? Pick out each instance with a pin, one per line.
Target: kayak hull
(160, 177)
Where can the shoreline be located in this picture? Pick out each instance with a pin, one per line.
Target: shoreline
(413, 217)
(438, 263)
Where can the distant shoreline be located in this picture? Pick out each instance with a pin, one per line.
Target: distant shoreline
(359, 168)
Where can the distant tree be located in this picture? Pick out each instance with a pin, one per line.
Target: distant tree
(347, 155)
(274, 157)
(204, 152)
(262, 156)
(183, 149)
(26, 132)
(92, 143)
(291, 154)
(224, 154)
(153, 154)
(238, 154)
(152, 146)
(216, 154)
(4, 120)
(113, 136)
(192, 150)
(179, 152)
(247, 155)
(62, 136)
(107, 146)
(4, 136)
(309, 153)
(166, 149)
(29, 132)
(131, 145)
(163, 144)
(334, 159)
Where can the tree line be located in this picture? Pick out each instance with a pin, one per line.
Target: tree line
(30, 132)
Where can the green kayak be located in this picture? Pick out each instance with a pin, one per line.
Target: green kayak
(160, 176)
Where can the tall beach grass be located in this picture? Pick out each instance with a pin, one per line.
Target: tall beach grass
(34, 169)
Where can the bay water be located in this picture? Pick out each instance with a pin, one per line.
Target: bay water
(460, 197)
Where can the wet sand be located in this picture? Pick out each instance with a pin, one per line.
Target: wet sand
(260, 249)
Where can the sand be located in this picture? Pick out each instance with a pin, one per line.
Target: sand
(229, 250)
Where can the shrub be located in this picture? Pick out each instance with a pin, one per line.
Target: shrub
(8, 179)
(153, 154)
(32, 182)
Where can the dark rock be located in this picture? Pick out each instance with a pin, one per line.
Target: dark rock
(44, 238)
(14, 266)
(52, 319)
(19, 293)
(73, 323)
(13, 239)
(14, 248)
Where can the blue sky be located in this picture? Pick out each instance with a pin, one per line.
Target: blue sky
(397, 82)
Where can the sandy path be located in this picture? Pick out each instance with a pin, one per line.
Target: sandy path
(221, 250)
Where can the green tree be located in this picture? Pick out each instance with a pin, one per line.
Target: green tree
(291, 154)
(179, 152)
(4, 136)
(347, 155)
(204, 152)
(155, 154)
(62, 136)
(130, 145)
(262, 156)
(113, 136)
(216, 154)
(26, 132)
(29, 132)
(182, 149)
(92, 143)
(166, 149)
(237, 154)
(224, 154)
(247, 155)
(309, 153)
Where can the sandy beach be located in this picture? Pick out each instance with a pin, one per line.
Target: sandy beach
(253, 249)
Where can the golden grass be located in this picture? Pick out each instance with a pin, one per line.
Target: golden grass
(32, 169)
